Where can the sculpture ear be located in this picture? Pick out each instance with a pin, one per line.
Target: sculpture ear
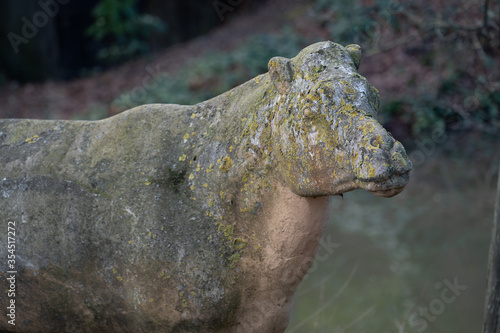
(281, 71)
(355, 52)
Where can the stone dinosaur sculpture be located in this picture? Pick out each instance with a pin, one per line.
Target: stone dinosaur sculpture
(203, 218)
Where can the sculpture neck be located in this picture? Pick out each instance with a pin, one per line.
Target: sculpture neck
(296, 225)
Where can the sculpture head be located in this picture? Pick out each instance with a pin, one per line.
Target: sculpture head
(326, 132)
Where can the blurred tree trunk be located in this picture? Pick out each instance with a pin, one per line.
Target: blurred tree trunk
(190, 18)
(42, 42)
(37, 53)
(60, 47)
(492, 311)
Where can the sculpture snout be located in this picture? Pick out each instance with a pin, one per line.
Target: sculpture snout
(379, 156)
(383, 168)
(400, 161)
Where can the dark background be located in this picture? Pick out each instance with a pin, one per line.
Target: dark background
(62, 49)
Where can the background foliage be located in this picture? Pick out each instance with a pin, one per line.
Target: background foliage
(122, 29)
(201, 79)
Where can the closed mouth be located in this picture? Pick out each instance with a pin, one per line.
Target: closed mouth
(387, 187)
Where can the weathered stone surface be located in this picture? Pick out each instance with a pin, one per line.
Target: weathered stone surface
(203, 218)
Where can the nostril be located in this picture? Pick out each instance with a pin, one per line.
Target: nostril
(400, 159)
(397, 147)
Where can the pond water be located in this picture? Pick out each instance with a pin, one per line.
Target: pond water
(416, 262)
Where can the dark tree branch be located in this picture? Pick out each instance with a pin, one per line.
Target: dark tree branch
(484, 29)
(492, 310)
(485, 14)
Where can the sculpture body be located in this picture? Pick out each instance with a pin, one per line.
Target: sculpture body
(204, 218)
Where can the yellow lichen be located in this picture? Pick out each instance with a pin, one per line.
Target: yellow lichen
(375, 144)
(234, 259)
(182, 157)
(33, 139)
(239, 244)
(400, 160)
(228, 230)
(371, 172)
(367, 128)
(245, 177)
(348, 88)
(227, 164)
